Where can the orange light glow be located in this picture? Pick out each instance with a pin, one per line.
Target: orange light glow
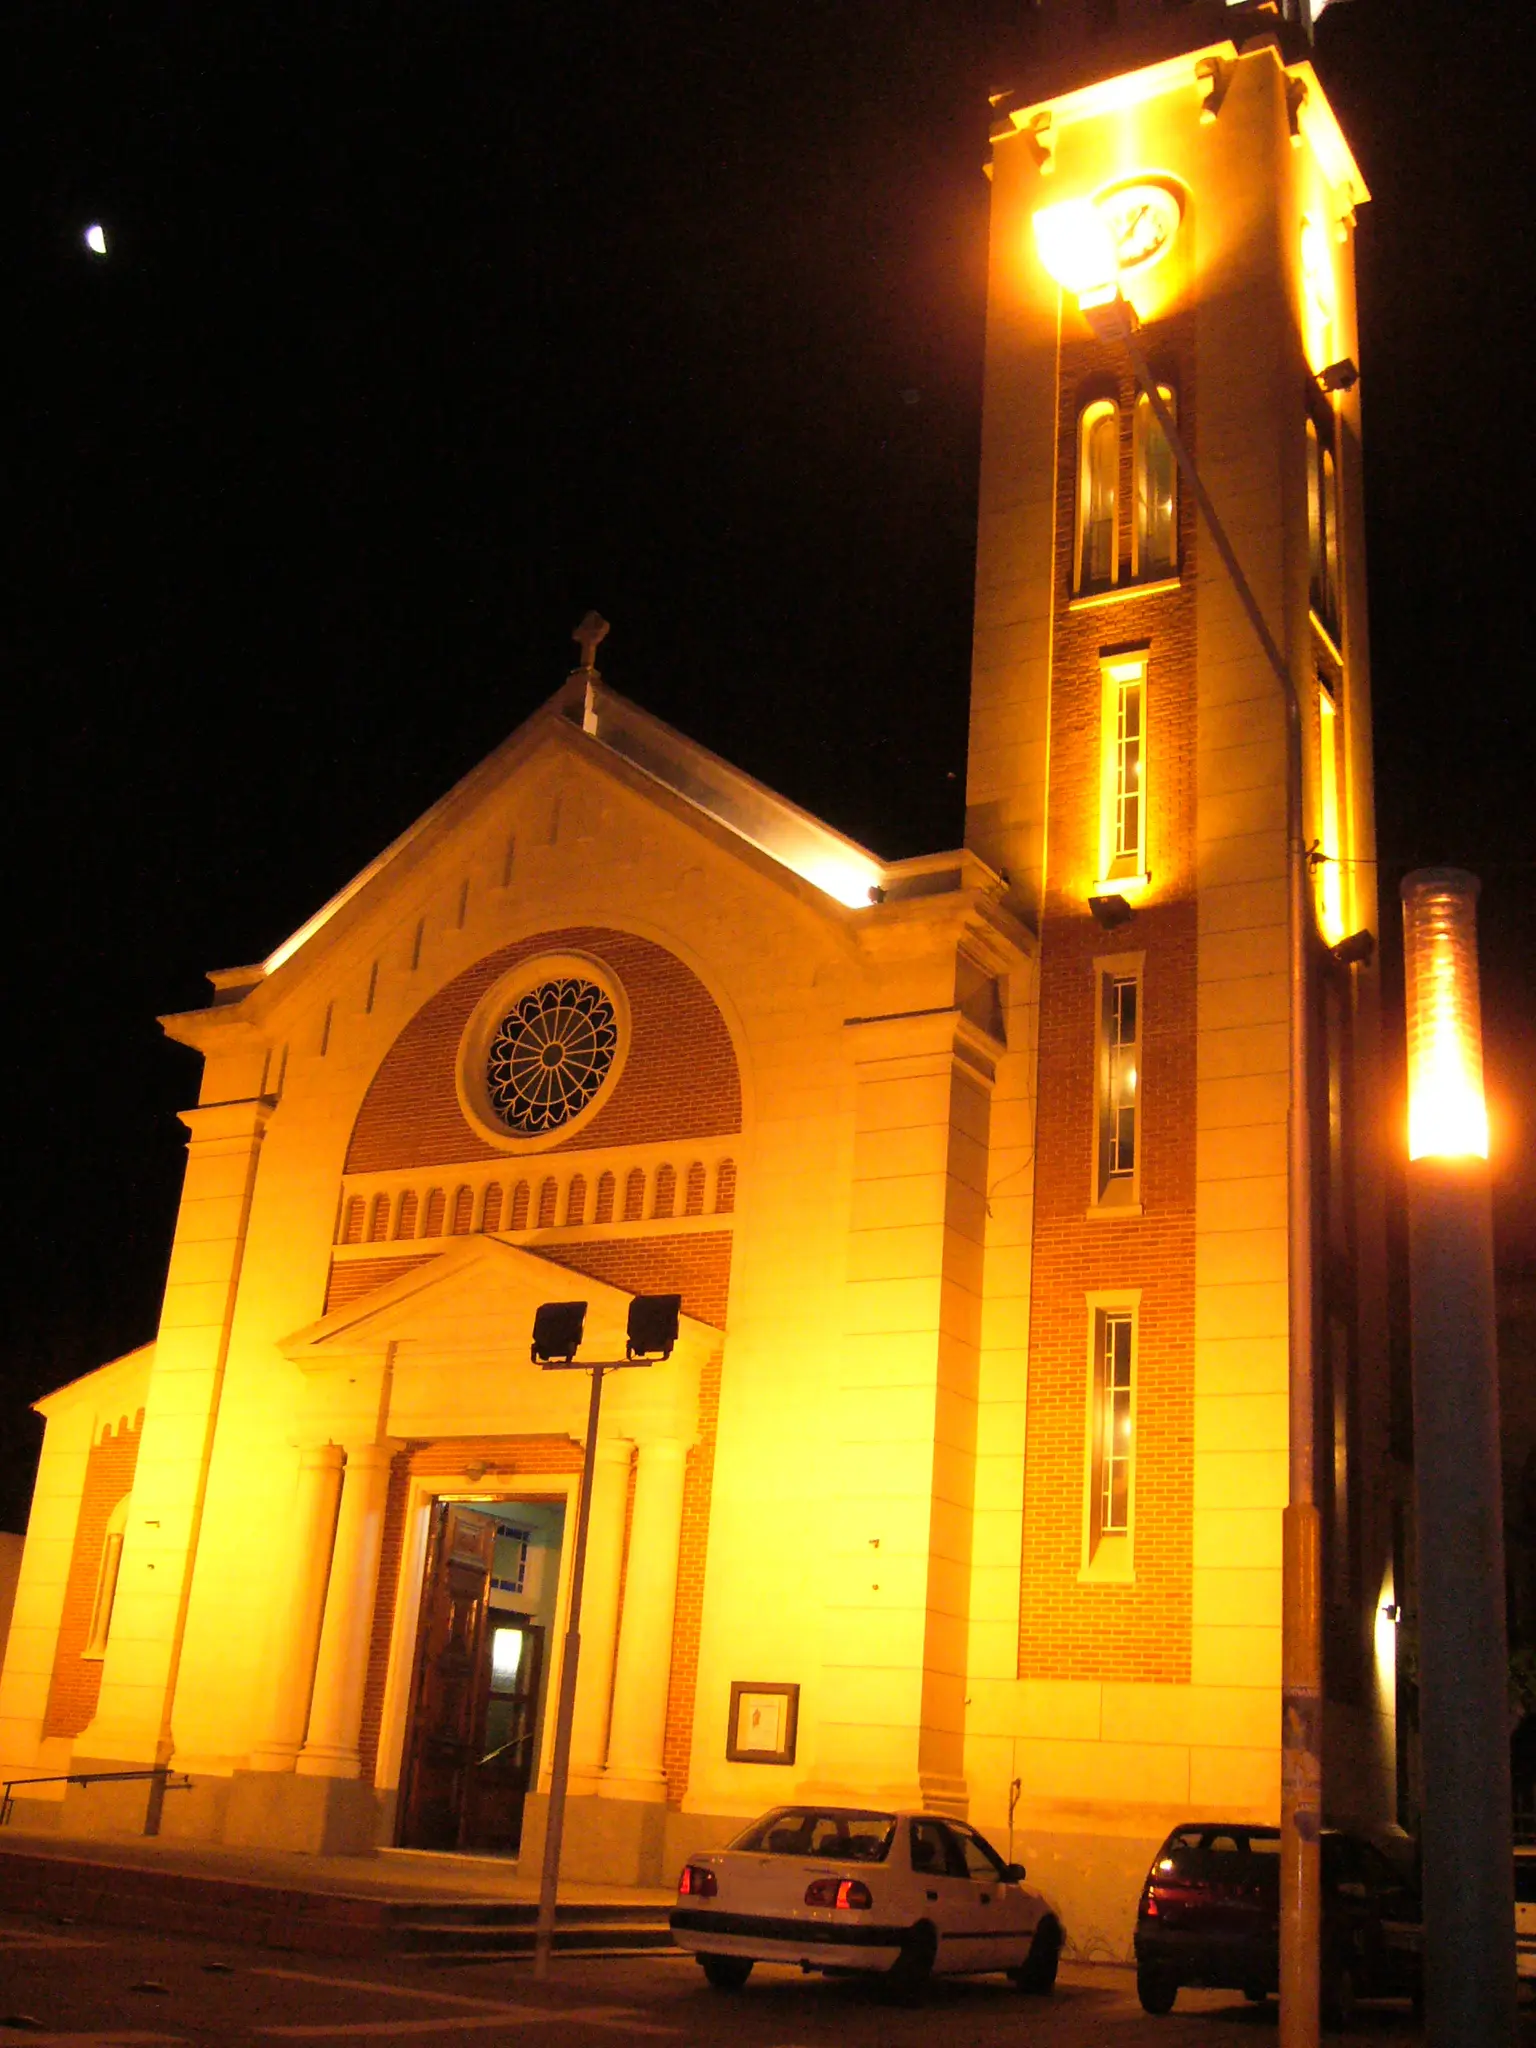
(1077, 248)
(1447, 1112)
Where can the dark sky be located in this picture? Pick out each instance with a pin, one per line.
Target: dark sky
(425, 328)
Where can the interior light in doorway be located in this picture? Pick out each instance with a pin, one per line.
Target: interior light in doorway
(506, 1655)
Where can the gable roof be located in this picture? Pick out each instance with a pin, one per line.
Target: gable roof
(826, 858)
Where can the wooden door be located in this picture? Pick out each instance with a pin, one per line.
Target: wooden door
(445, 1738)
(498, 1783)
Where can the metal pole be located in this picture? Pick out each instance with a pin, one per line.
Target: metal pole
(549, 1881)
(1301, 1762)
(1469, 1909)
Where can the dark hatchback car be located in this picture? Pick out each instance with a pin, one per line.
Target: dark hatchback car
(1210, 1915)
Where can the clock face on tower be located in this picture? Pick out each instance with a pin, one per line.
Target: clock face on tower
(1143, 217)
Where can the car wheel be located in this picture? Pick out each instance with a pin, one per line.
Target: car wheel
(1037, 1972)
(726, 1973)
(1340, 1994)
(914, 1966)
(1157, 1989)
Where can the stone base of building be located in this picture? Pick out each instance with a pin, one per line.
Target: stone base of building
(621, 1841)
(130, 1806)
(314, 1816)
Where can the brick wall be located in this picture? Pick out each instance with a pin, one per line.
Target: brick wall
(679, 1081)
(358, 1277)
(1141, 1631)
(76, 1680)
(698, 1267)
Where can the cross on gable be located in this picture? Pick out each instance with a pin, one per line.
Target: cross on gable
(589, 636)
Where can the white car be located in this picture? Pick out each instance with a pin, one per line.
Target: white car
(843, 1888)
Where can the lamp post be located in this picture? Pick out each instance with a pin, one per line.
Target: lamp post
(1078, 249)
(1463, 1660)
(557, 1332)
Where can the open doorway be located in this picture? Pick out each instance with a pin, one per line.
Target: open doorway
(491, 1580)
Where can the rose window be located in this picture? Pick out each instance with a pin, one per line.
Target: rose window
(550, 1054)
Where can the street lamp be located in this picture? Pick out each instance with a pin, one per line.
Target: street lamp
(1076, 245)
(1463, 1659)
(558, 1327)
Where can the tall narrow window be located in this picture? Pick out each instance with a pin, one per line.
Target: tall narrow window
(1154, 546)
(1118, 1148)
(106, 1581)
(1330, 872)
(1322, 527)
(1330, 539)
(1111, 1462)
(1098, 493)
(1123, 822)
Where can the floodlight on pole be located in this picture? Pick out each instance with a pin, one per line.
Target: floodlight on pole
(557, 1331)
(1076, 246)
(558, 1327)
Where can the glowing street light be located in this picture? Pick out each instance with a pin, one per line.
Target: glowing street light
(96, 238)
(1447, 1112)
(1463, 1660)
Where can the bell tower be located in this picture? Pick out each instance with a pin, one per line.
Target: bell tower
(1128, 773)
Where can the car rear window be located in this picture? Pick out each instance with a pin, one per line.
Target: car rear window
(1220, 1855)
(1525, 1880)
(839, 1834)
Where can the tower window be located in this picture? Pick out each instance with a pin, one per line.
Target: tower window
(1322, 526)
(1098, 493)
(1114, 1333)
(1123, 799)
(1120, 1104)
(1109, 1494)
(1154, 537)
(1330, 874)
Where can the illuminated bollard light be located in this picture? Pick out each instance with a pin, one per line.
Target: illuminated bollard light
(1463, 1686)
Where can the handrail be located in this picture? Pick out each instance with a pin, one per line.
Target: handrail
(7, 1789)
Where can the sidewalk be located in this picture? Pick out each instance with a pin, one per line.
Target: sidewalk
(332, 1905)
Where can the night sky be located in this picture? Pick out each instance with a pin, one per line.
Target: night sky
(423, 329)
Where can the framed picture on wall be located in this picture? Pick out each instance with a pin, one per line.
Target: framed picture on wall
(762, 1724)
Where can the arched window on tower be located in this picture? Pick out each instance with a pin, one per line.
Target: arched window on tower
(1098, 492)
(1154, 537)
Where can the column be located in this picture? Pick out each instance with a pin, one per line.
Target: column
(600, 1612)
(898, 1557)
(138, 1682)
(294, 1637)
(638, 1727)
(336, 1710)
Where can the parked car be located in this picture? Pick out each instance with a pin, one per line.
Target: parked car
(1525, 1912)
(841, 1889)
(1210, 1915)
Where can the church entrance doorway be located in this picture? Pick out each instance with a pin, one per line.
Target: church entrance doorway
(478, 1691)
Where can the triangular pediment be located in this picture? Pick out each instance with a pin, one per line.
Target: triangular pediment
(478, 1298)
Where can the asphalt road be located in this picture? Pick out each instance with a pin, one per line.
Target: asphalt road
(98, 1988)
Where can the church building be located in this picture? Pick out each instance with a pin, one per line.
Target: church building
(963, 1484)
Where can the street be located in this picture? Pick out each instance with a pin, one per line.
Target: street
(66, 1985)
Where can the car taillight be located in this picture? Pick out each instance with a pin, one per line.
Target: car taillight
(839, 1892)
(1149, 1904)
(697, 1883)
